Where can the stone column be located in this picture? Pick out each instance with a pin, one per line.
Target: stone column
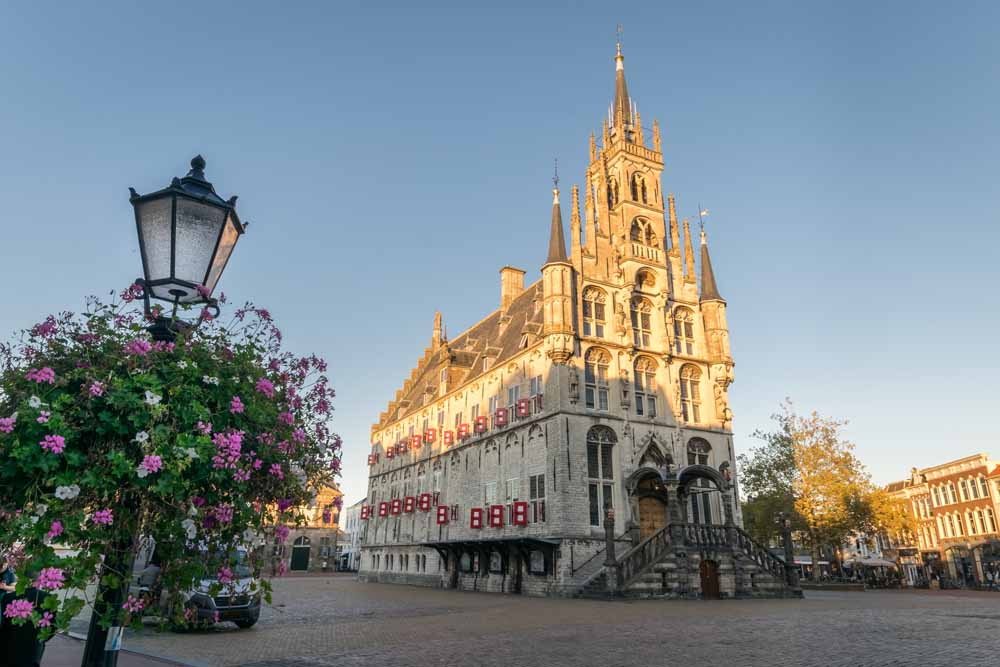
(610, 561)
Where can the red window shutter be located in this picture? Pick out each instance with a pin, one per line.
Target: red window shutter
(523, 407)
(430, 435)
(414, 442)
(425, 502)
(476, 517)
(481, 424)
(364, 512)
(371, 459)
(449, 438)
(442, 514)
(383, 509)
(409, 503)
(500, 417)
(463, 431)
(397, 505)
(389, 453)
(520, 513)
(496, 516)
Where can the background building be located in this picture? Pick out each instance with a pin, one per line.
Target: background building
(350, 552)
(602, 386)
(313, 545)
(956, 506)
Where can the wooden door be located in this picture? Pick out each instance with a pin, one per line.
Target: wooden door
(652, 516)
(300, 558)
(709, 580)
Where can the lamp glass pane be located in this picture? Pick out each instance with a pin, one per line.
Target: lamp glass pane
(230, 235)
(154, 220)
(198, 227)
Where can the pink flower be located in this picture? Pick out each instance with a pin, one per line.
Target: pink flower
(236, 405)
(55, 530)
(228, 449)
(241, 476)
(224, 513)
(43, 416)
(338, 502)
(131, 293)
(151, 463)
(7, 424)
(257, 464)
(206, 315)
(286, 418)
(281, 532)
(133, 605)
(97, 388)
(225, 576)
(335, 465)
(197, 501)
(138, 347)
(53, 443)
(46, 619)
(205, 429)
(299, 436)
(44, 375)
(19, 609)
(265, 387)
(103, 517)
(276, 471)
(46, 328)
(282, 568)
(326, 516)
(50, 579)
(203, 291)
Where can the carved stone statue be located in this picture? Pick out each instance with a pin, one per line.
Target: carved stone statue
(722, 405)
(620, 319)
(574, 384)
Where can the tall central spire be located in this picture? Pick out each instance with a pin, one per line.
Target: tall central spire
(557, 242)
(623, 106)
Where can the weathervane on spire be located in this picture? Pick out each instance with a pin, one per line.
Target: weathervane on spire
(618, 38)
(555, 176)
(702, 212)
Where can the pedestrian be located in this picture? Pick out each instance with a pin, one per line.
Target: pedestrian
(7, 581)
(19, 643)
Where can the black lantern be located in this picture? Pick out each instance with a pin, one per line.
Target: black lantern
(186, 235)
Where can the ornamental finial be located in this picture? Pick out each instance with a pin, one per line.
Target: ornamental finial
(197, 167)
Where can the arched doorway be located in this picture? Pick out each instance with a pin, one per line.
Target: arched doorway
(300, 553)
(705, 494)
(709, 571)
(652, 508)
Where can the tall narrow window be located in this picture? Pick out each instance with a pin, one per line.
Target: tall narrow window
(596, 378)
(991, 519)
(535, 386)
(683, 331)
(690, 394)
(984, 487)
(698, 451)
(963, 490)
(641, 310)
(645, 387)
(537, 498)
(513, 393)
(593, 312)
(600, 472)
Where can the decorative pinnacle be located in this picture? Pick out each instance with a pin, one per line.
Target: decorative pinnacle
(197, 168)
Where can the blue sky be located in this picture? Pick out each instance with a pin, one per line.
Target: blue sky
(392, 158)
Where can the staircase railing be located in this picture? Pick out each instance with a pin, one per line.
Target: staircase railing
(761, 555)
(637, 559)
(599, 552)
(701, 535)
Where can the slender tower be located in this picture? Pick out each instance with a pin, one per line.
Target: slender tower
(557, 290)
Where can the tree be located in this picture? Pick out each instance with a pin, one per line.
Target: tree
(203, 445)
(767, 480)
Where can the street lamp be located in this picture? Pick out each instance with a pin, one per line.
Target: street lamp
(187, 233)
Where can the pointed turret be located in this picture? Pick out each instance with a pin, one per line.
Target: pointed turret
(675, 239)
(574, 227)
(709, 292)
(557, 242)
(688, 253)
(436, 335)
(623, 105)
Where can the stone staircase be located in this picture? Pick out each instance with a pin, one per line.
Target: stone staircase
(667, 565)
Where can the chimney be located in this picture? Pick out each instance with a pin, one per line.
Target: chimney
(511, 285)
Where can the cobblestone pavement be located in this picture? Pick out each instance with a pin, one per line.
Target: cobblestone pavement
(336, 621)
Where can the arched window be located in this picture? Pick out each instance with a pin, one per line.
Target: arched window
(612, 193)
(593, 312)
(683, 331)
(645, 387)
(635, 233)
(600, 472)
(645, 279)
(698, 451)
(690, 394)
(638, 188)
(641, 332)
(596, 378)
(641, 231)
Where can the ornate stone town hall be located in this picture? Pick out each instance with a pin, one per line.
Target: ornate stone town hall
(592, 399)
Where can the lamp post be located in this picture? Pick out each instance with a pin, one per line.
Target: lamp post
(186, 235)
(791, 573)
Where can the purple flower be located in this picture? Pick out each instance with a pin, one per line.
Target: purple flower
(277, 471)
(131, 293)
(53, 443)
(265, 387)
(299, 436)
(236, 405)
(43, 416)
(241, 476)
(203, 291)
(55, 530)
(151, 463)
(197, 501)
(103, 517)
(19, 609)
(139, 347)
(205, 429)
(97, 388)
(284, 504)
(228, 449)
(7, 424)
(224, 513)
(225, 576)
(46, 619)
(50, 579)
(46, 328)
(286, 418)
(281, 532)
(133, 605)
(46, 375)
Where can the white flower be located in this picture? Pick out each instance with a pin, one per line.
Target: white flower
(141, 471)
(153, 399)
(250, 537)
(35, 402)
(34, 519)
(67, 492)
(41, 509)
(189, 528)
(191, 452)
(192, 511)
(141, 437)
(208, 379)
(182, 364)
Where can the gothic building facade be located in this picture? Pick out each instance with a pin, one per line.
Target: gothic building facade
(602, 386)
